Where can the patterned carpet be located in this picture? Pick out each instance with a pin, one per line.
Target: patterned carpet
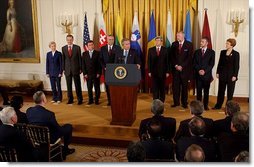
(87, 153)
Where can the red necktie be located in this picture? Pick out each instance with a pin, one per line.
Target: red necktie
(158, 51)
(180, 47)
(203, 52)
(70, 51)
(110, 50)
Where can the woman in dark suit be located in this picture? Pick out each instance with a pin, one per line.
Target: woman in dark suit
(227, 72)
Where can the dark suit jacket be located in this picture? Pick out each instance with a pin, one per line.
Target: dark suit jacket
(231, 144)
(183, 130)
(91, 67)
(184, 58)
(207, 145)
(158, 149)
(72, 65)
(158, 65)
(13, 138)
(168, 127)
(106, 58)
(222, 125)
(21, 117)
(38, 115)
(204, 63)
(227, 72)
(131, 59)
(54, 64)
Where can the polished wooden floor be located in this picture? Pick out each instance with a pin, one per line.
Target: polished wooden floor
(91, 123)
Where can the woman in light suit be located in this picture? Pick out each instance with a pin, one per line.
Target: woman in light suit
(227, 72)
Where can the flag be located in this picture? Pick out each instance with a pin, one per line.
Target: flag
(105, 5)
(152, 32)
(206, 30)
(136, 37)
(119, 30)
(169, 38)
(102, 30)
(86, 36)
(187, 28)
(193, 4)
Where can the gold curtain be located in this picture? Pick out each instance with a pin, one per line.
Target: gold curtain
(126, 9)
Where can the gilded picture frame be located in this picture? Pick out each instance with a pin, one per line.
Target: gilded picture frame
(19, 39)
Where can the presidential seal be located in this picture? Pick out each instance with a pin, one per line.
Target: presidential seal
(120, 72)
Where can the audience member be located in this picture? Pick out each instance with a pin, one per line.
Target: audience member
(194, 153)
(197, 130)
(230, 144)
(13, 138)
(39, 115)
(196, 109)
(136, 152)
(168, 124)
(242, 157)
(17, 104)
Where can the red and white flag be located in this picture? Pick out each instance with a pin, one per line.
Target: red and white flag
(103, 35)
(206, 30)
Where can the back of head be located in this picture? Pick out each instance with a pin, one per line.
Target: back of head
(242, 157)
(197, 126)
(38, 97)
(136, 152)
(157, 107)
(17, 102)
(6, 115)
(196, 107)
(232, 107)
(154, 128)
(194, 153)
(240, 122)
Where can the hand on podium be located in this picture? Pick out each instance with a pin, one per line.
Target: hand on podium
(167, 75)
(149, 74)
(138, 66)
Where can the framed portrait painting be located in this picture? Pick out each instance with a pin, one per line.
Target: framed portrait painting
(19, 39)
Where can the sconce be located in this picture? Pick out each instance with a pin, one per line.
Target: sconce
(67, 22)
(236, 17)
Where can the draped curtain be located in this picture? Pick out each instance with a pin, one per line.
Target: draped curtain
(127, 8)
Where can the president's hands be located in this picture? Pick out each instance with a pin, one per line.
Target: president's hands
(201, 72)
(138, 66)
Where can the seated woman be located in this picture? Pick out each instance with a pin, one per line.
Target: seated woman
(17, 104)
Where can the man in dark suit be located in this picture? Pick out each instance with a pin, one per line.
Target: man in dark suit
(155, 147)
(197, 129)
(224, 125)
(231, 144)
(168, 125)
(39, 115)
(72, 68)
(181, 63)
(203, 62)
(92, 71)
(13, 138)
(158, 68)
(127, 55)
(196, 109)
(54, 71)
(107, 56)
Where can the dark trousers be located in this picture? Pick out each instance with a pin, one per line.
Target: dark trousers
(66, 133)
(77, 87)
(203, 85)
(56, 88)
(158, 88)
(180, 86)
(108, 92)
(96, 83)
(221, 92)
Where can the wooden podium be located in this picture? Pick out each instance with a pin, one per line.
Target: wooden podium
(123, 81)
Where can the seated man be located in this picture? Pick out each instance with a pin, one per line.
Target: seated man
(224, 125)
(196, 109)
(168, 124)
(231, 144)
(197, 130)
(38, 115)
(242, 157)
(17, 104)
(13, 138)
(136, 152)
(155, 147)
(194, 153)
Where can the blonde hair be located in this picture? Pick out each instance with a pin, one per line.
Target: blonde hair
(6, 114)
(52, 43)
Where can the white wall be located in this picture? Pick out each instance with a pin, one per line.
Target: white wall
(48, 10)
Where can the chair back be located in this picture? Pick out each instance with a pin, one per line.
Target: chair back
(38, 134)
(8, 154)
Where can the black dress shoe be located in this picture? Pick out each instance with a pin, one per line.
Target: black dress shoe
(109, 104)
(97, 103)
(216, 108)
(80, 102)
(68, 151)
(206, 108)
(185, 106)
(70, 102)
(174, 105)
(90, 102)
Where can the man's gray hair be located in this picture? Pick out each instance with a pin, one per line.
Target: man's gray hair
(6, 114)
(157, 107)
(38, 97)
